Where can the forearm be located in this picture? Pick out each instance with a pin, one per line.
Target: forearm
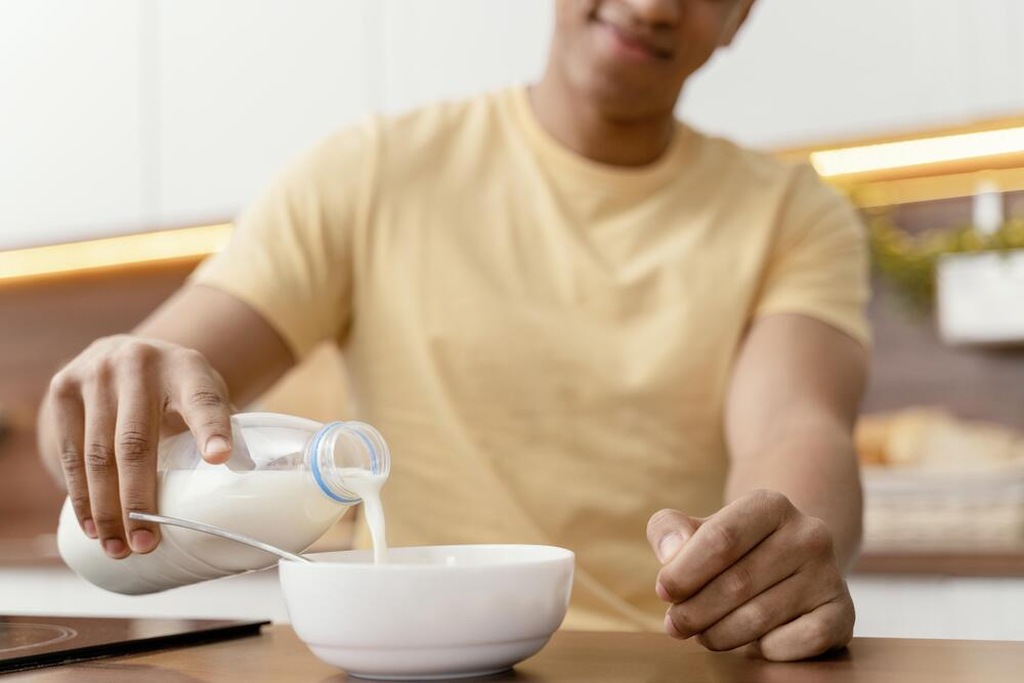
(815, 466)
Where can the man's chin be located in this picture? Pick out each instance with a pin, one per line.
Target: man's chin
(625, 101)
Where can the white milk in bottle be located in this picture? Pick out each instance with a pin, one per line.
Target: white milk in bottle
(287, 482)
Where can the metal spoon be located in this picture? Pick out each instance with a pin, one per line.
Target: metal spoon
(217, 531)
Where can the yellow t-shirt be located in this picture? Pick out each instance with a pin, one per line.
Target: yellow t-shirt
(543, 340)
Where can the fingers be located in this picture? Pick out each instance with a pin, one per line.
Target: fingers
(667, 530)
(827, 627)
(758, 573)
(69, 422)
(101, 464)
(798, 594)
(202, 402)
(721, 540)
(135, 445)
(762, 568)
(107, 407)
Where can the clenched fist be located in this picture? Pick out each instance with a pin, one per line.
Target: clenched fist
(758, 572)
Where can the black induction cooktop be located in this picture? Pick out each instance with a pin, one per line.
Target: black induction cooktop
(28, 642)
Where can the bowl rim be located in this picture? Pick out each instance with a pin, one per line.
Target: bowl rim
(558, 554)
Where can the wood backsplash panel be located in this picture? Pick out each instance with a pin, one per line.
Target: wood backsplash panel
(912, 367)
(45, 323)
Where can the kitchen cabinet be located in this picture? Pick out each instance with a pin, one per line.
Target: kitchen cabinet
(242, 87)
(71, 130)
(969, 593)
(924, 606)
(123, 116)
(50, 588)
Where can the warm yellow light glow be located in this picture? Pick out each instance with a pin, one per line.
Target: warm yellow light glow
(890, 155)
(114, 251)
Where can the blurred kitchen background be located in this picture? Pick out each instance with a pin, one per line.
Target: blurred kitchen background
(132, 132)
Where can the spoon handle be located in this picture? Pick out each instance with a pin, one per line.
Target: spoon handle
(217, 531)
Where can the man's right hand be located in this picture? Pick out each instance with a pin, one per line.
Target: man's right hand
(107, 407)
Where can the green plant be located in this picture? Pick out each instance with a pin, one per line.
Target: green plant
(908, 261)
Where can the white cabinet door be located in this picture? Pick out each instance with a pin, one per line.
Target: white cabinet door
(987, 36)
(52, 588)
(70, 132)
(246, 85)
(446, 49)
(891, 606)
(1014, 30)
(899, 607)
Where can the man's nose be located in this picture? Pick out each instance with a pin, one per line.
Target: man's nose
(657, 12)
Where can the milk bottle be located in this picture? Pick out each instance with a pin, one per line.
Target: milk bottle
(288, 480)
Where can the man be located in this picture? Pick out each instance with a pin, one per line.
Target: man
(565, 310)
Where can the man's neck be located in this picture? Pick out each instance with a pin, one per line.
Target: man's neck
(583, 128)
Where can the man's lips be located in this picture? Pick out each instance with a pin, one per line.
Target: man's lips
(636, 44)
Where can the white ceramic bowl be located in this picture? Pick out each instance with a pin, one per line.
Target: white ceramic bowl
(431, 612)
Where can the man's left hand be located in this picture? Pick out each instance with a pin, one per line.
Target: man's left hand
(758, 572)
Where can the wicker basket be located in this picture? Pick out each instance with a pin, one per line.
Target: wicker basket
(944, 508)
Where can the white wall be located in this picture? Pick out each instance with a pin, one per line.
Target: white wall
(452, 48)
(120, 116)
(807, 70)
(244, 85)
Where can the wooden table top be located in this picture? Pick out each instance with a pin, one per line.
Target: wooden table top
(577, 657)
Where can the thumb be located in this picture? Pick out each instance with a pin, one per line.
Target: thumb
(207, 412)
(668, 530)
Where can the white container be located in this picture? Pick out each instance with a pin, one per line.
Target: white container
(434, 612)
(980, 297)
(285, 484)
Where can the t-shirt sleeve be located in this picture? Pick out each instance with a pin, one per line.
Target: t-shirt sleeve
(290, 255)
(820, 262)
